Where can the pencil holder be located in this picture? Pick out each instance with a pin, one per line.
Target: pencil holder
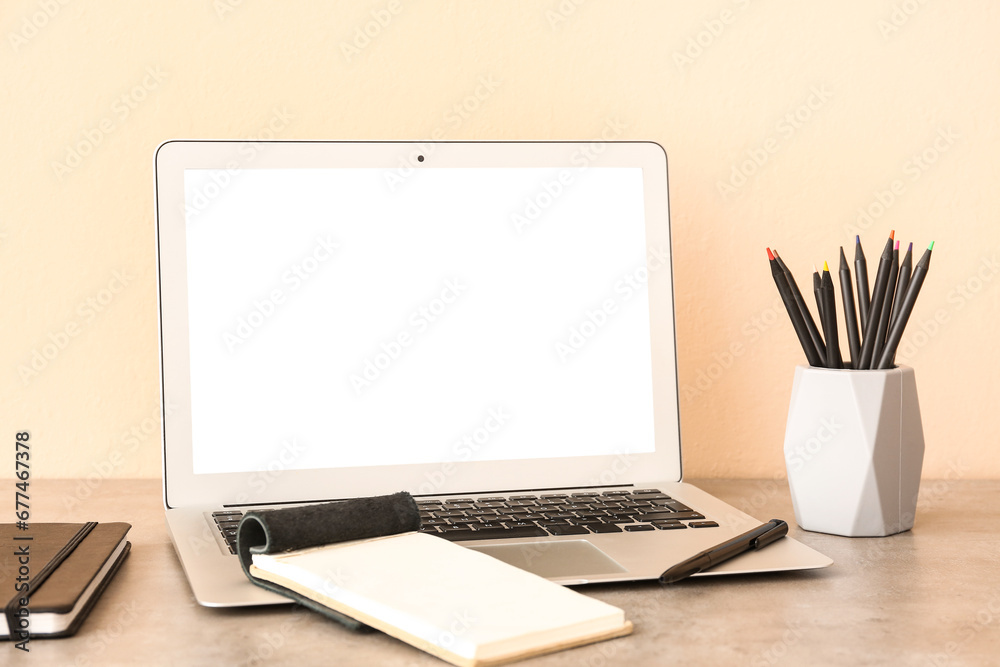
(854, 447)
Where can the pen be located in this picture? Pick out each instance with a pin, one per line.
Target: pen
(817, 340)
(758, 538)
(850, 317)
(794, 314)
(861, 277)
(875, 310)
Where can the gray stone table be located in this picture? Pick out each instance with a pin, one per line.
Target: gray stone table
(927, 597)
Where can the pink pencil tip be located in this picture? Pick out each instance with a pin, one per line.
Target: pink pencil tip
(897, 246)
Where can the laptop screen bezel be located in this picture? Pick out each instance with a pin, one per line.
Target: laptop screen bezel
(183, 488)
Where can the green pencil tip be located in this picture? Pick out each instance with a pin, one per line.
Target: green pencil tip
(931, 246)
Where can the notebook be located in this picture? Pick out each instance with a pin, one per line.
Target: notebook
(478, 323)
(68, 566)
(364, 563)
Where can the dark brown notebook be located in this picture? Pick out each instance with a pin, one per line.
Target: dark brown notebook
(69, 565)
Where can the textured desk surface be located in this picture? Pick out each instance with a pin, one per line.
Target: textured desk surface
(927, 597)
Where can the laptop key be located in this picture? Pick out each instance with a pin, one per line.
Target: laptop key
(660, 516)
(604, 528)
(636, 527)
(568, 530)
(668, 525)
(494, 533)
(703, 524)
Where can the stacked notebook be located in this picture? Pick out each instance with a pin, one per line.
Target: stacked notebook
(363, 563)
(67, 566)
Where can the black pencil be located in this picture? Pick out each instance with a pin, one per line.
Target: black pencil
(850, 317)
(883, 318)
(817, 340)
(794, 314)
(905, 269)
(861, 278)
(875, 309)
(833, 358)
(817, 286)
(910, 298)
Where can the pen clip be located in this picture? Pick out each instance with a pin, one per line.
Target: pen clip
(778, 530)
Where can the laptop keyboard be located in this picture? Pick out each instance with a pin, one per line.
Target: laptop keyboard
(504, 517)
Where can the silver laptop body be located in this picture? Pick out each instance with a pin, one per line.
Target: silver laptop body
(460, 320)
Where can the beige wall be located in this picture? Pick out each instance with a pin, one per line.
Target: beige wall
(888, 94)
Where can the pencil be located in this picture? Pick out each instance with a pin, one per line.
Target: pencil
(875, 309)
(912, 291)
(817, 286)
(850, 317)
(861, 278)
(883, 318)
(817, 340)
(794, 314)
(833, 359)
(905, 269)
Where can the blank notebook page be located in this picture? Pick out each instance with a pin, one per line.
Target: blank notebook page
(442, 595)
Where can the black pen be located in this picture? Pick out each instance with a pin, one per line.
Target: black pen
(758, 538)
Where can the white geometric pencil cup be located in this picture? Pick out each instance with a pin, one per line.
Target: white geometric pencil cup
(854, 447)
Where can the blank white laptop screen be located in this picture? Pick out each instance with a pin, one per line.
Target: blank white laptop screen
(463, 314)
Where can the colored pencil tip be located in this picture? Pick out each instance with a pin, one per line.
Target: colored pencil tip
(892, 234)
(826, 268)
(770, 256)
(897, 246)
(931, 246)
(910, 248)
(857, 238)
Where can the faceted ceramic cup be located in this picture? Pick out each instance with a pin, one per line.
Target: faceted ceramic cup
(854, 447)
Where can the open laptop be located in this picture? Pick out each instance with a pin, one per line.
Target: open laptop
(487, 325)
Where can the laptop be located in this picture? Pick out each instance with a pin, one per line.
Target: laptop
(487, 325)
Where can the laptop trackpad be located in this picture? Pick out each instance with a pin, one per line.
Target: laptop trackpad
(571, 558)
